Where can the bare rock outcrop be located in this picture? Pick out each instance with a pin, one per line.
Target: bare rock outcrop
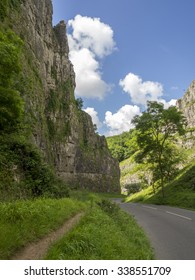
(63, 132)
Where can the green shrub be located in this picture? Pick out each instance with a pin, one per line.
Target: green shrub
(23, 172)
(108, 207)
(11, 110)
(133, 188)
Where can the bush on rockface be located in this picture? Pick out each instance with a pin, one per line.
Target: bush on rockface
(23, 172)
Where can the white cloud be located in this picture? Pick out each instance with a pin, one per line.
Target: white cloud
(121, 121)
(172, 102)
(94, 116)
(90, 41)
(140, 91)
(89, 83)
(92, 34)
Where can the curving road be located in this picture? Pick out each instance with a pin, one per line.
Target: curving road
(171, 230)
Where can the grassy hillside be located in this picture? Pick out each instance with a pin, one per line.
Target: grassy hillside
(180, 192)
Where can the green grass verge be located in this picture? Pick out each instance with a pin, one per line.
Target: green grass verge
(111, 195)
(105, 233)
(25, 221)
(85, 195)
(182, 199)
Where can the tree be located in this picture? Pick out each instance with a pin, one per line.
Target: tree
(157, 129)
(122, 146)
(79, 103)
(11, 104)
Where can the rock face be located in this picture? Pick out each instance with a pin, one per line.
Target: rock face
(187, 105)
(60, 129)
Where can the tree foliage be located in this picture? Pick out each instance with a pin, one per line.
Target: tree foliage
(10, 48)
(133, 188)
(11, 104)
(11, 109)
(156, 134)
(123, 146)
(79, 103)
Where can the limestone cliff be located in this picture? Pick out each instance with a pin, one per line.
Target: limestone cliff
(187, 105)
(60, 129)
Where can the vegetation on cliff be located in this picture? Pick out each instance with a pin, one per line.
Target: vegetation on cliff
(6, 6)
(23, 172)
(43, 131)
(11, 104)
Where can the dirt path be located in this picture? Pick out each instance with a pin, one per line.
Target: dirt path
(37, 251)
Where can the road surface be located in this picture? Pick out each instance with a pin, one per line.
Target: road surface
(171, 230)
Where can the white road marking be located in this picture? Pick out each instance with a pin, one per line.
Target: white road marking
(179, 215)
(149, 207)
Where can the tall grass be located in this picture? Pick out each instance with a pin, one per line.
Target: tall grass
(25, 221)
(106, 232)
(85, 195)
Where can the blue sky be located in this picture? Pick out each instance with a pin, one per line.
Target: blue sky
(127, 52)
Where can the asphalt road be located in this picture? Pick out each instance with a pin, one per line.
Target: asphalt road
(171, 230)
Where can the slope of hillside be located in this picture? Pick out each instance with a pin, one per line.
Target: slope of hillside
(180, 192)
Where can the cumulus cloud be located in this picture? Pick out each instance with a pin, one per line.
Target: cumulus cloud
(92, 34)
(89, 83)
(140, 91)
(94, 116)
(121, 121)
(172, 102)
(89, 42)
